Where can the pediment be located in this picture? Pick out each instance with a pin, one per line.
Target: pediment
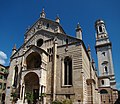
(44, 24)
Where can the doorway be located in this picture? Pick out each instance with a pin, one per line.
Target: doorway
(35, 95)
(32, 87)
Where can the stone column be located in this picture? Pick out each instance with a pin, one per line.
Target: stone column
(40, 79)
(23, 94)
(21, 90)
(39, 91)
(54, 67)
(62, 61)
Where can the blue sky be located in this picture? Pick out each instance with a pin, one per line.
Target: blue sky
(17, 15)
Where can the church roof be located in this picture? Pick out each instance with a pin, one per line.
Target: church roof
(48, 20)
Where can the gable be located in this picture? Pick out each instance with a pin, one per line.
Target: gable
(30, 49)
(43, 24)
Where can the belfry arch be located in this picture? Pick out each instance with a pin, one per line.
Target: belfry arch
(103, 91)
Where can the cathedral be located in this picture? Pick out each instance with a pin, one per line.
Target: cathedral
(53, 66)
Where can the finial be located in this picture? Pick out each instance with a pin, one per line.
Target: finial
(57, 19)
(88, 48)
(78, 32)
(42, 14)
(14, 48)
(78, 27)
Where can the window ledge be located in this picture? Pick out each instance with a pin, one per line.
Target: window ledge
(66, 85)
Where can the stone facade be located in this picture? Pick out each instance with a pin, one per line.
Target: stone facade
(51, 65)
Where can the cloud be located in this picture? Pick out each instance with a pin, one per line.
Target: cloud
(2, 61)
(3, 57)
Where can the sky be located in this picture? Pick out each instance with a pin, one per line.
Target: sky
(17, 15)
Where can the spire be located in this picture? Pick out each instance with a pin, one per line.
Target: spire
(88, 48)
(89, 52)
(78, 32)
(14, 49)
(78, 27)
(42, 14)
(57, 19)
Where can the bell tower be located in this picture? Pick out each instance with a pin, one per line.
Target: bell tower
(104, 54)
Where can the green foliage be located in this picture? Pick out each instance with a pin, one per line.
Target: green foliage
(29, 97)
(67, 101)
(43, 94)
(1, 69)
(6, 71)
(14, 95)
(56, 102)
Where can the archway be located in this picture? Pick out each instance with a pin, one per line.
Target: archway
(103, 91)
(32, 86)
(33, 60)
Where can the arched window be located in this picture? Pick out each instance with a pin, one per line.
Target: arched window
(100, 28)
(106, 70)
(102, 82)
(39, 42)
(15, 77)
(103, 53)
(47, 26)
(66, 41)
(33, 60)
(103, 91)
(50, 50)
(67, 71)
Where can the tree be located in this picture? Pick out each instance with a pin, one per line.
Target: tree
(29, 97)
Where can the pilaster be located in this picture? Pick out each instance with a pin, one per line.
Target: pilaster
(54, 67)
